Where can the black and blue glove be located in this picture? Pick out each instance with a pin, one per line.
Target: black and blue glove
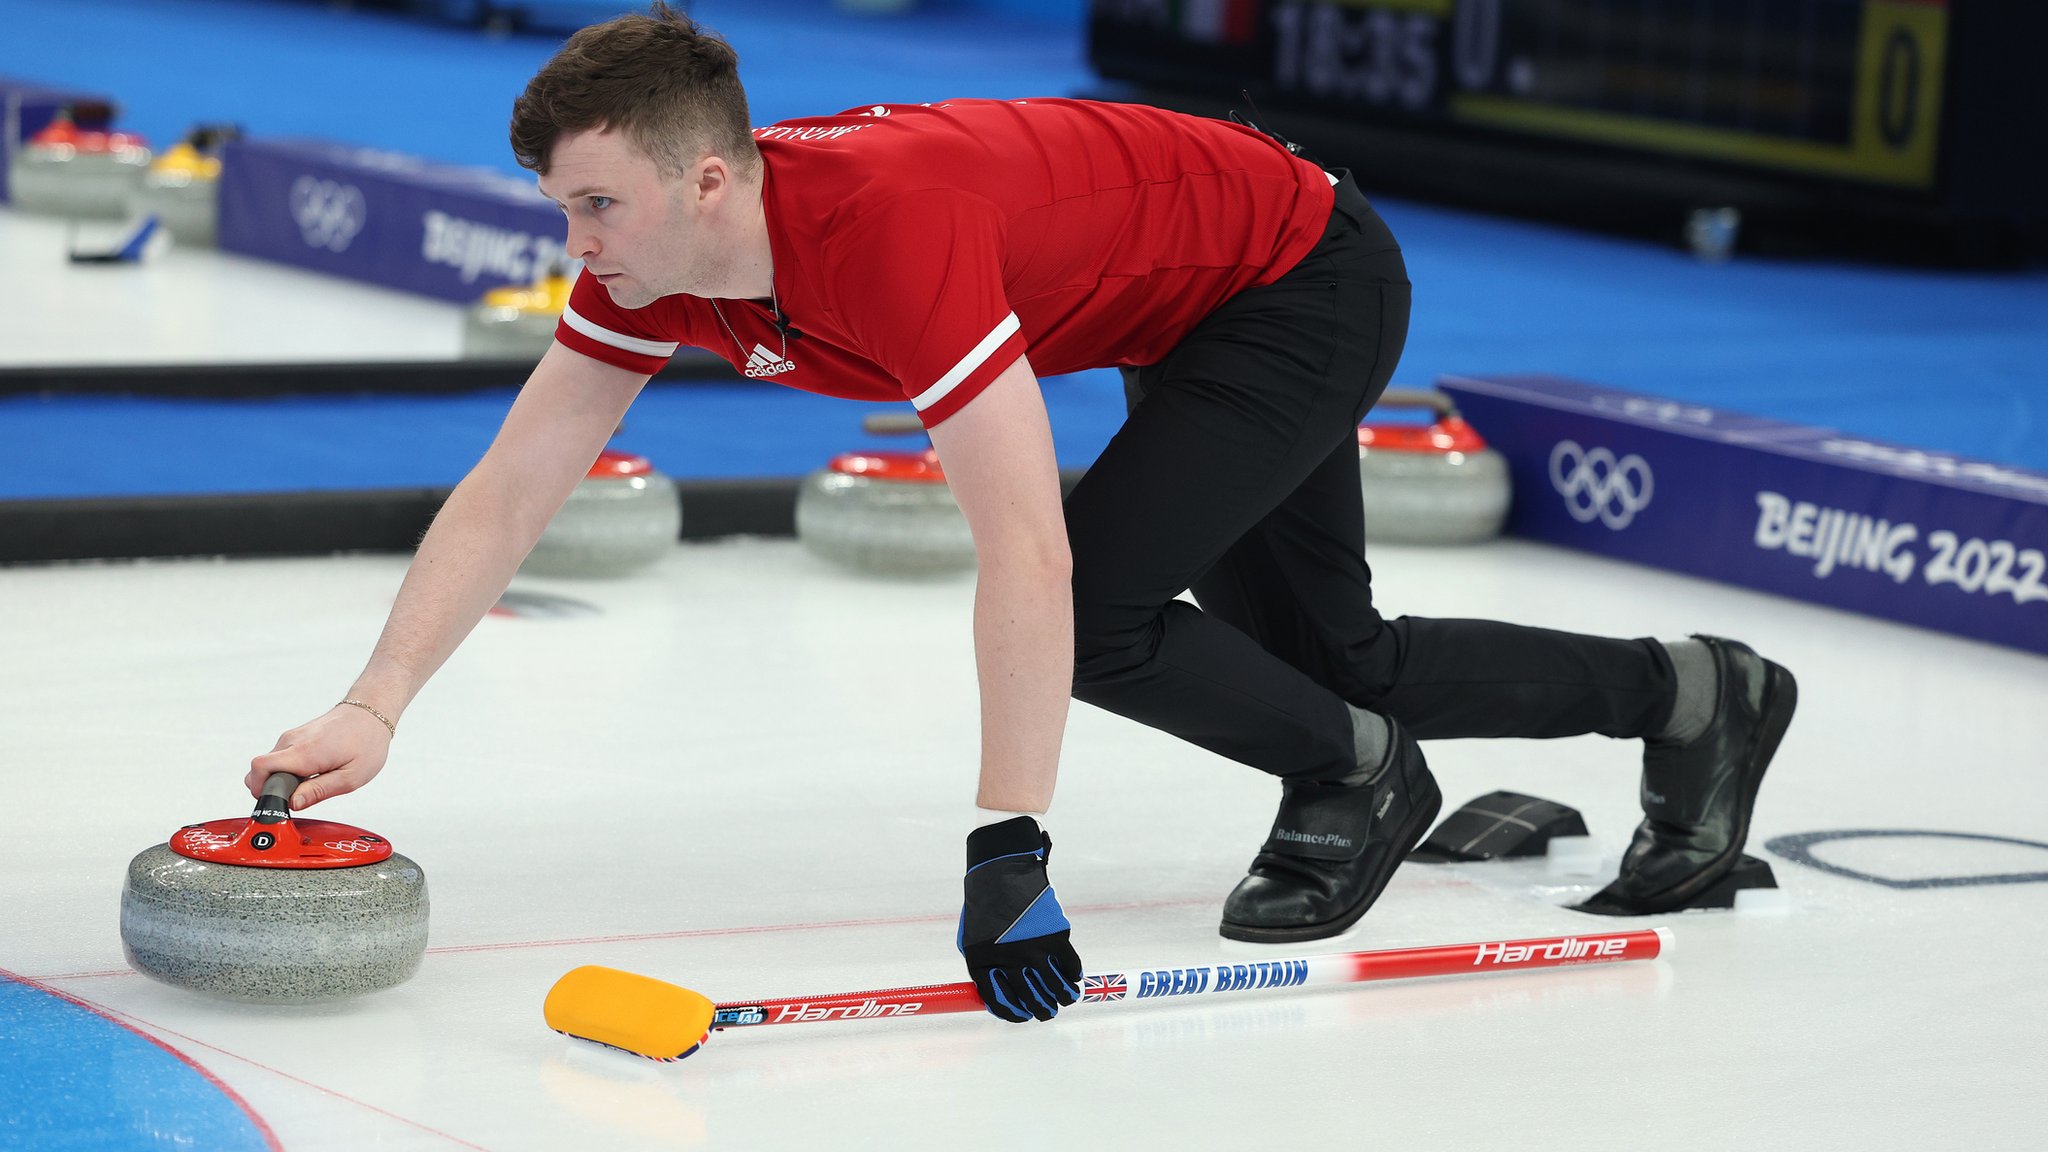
(1012, 930)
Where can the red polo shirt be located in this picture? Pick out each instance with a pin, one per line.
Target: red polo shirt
(920, 250)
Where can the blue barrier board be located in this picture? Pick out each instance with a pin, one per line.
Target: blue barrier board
(1926, 538)
(387, 218)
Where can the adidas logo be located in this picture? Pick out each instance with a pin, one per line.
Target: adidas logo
(765, 363)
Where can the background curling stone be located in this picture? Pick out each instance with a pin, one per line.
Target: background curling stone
(182, 188)
(273, 909)
(1429, 484)
(886, 512)
(621, 518)
(76, 167)
(1498, 826)
(516, 322)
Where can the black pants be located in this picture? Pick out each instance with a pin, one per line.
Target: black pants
(1236, 476)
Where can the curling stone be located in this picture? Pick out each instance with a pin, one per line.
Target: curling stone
(885, 512)
(516, 322)
(182, 188)
(75, 167)
(622, 517)
(1430, 484)
(274, 909)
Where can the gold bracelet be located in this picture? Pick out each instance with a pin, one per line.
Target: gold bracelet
(382, 718)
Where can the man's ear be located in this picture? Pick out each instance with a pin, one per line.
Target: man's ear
(710, 180)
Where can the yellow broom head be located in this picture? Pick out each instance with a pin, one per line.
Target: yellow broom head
(636, 1014)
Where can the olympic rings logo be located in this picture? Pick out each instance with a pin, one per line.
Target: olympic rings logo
(328, 214)
(353, 846)
(1597, 486)
(199, 839)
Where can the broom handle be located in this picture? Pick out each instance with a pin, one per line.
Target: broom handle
(1121, 989)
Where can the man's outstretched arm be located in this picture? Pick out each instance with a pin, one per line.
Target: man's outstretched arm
(998, 456)
(569, 407)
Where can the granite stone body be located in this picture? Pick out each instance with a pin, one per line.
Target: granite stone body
(1433, 497)
(610, 527)
(494, 332)
(273, 935)
(188, 207)
(68, 182)
(886, 526)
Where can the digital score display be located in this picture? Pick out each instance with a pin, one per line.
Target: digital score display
(1850, 89)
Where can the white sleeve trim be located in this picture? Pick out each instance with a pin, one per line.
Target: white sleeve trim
(968, 363)
(606, 336)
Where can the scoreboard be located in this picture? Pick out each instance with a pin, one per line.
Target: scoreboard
(1847, 88)
(1850, 93)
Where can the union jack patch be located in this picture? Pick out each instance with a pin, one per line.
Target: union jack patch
(1095, 989)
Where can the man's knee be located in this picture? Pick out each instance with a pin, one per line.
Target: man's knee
(1110, 645)
(1368, 666)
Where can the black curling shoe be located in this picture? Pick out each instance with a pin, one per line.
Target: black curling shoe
(1697, 796)
(1333, 848)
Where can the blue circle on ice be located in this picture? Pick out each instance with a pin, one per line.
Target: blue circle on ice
(80, 1079)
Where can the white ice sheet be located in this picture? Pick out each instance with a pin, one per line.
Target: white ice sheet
(750, 774)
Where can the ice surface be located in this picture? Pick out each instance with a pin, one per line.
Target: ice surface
(750, 773)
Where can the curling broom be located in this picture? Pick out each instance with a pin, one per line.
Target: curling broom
(663, 1021)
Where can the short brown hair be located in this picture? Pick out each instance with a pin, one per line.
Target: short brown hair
(671, 85)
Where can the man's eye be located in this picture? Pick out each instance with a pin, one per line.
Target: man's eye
(600, 202)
